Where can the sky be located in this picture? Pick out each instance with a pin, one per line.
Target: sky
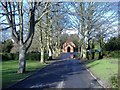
(71, 24)
(73, 19)
(70, 31)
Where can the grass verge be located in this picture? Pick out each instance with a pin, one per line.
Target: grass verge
(104, 69)
(9, 71)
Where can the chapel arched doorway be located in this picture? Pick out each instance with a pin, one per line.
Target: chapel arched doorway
(68, 49)
(68, 46)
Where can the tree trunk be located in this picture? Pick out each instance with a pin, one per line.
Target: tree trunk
(22, 60)
(83, 53)
(88, 48)
(100, 55)
(93, 52)
(57, 52)
(87, 55)
(53, 55)
(50, 54)
(101, 52)
(79, 48)
(42, 56)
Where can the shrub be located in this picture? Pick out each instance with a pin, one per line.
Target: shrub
(114, 54)
(33, 56)
(113, 44)
(114, 81)
(9, 56)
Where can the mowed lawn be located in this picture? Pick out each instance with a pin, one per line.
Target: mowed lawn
(104, 69)
(9, 71)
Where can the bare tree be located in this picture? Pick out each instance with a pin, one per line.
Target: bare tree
(92, 17)
(15, 12)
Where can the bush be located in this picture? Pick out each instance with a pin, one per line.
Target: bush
(114, 81)
(33, 56)
(114, 54)
(9, 56)
(113, 44)
(7, 45)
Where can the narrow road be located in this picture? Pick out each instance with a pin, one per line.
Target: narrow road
(67, 73)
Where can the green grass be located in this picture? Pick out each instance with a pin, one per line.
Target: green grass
(9, 71)
(104, 69)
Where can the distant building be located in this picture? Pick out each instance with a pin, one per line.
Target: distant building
(68, 46)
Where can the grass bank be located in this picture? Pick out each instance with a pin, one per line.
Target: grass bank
(9, 71)
(104, 69)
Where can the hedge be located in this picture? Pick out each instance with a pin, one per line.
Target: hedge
(9, 56)
(114, 54)
(29, 56)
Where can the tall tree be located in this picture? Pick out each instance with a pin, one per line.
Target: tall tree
(15, 12)
(94, 19)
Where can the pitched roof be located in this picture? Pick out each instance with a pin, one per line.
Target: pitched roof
(69, 42)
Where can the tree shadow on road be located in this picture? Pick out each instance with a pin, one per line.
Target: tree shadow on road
(51, 75)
